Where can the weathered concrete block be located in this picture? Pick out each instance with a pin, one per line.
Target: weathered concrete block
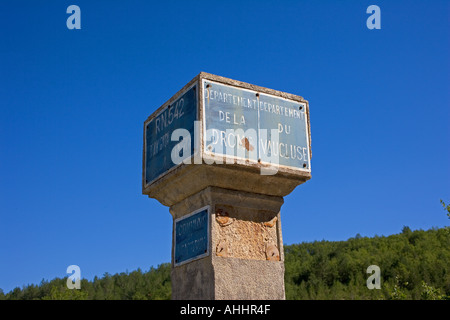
(245, 231)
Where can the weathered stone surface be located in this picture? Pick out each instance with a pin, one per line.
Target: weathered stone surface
(222, 248)
(187, 180)
(193, 281)
(238, 265)
(246, 279)
(272, 252)
(248, 236)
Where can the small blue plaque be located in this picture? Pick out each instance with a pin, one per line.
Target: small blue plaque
(192, 236)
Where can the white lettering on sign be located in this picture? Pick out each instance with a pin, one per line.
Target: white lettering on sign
(226, 116)
(194, 246)
(228, 107)
(157, 146)
(166, 117)
(191, 236)
(191, 226)
(283, 150)
(232, 142)
(162, 122)
(232, 99)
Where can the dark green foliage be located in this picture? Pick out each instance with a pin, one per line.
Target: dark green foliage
(413, 264)
(137, 285)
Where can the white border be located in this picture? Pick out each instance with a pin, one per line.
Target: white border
(208, 239)
(225, 156)
(146, 184)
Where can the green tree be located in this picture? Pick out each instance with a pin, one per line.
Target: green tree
(430, 293)
(58, 293)
(446, 207)
(399, 290)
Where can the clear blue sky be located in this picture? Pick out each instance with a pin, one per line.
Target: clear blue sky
(73, 102)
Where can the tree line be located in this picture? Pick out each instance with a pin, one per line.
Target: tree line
(413, 265)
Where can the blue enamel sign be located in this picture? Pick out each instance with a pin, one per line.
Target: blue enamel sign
(191, 236)
(242, 123)
(181, 114)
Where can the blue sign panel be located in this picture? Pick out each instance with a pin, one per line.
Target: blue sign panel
(192, 236)
(258, 127)
(288, 119)
(230, 108)
(181, 114)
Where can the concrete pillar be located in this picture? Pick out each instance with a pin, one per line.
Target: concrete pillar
(246, 259)
(227, 241)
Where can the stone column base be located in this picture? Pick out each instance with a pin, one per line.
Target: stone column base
(246, 258)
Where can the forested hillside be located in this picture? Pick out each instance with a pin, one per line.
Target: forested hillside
(413, 265)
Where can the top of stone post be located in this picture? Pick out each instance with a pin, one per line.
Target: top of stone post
(221, 132)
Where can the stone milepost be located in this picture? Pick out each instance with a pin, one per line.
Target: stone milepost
(222, 154)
